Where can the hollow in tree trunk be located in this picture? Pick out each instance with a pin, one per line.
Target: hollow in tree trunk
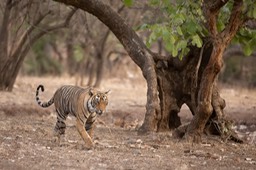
(187, 82)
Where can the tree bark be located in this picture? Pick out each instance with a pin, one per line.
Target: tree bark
(4, 34)
(204, 108)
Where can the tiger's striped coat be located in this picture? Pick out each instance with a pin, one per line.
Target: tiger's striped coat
(84, 103)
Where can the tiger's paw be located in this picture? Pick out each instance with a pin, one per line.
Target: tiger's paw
(60, 140)
(56, 140)
(63, 140)
(89, 146)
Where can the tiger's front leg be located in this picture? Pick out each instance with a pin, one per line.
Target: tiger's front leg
(91, 131)
(87, 139)
(89, 127)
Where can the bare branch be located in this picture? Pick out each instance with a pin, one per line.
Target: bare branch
(14, 3)
(27, 33)
(41, 33)
(16, 34)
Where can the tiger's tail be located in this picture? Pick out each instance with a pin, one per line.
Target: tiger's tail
(43, 104)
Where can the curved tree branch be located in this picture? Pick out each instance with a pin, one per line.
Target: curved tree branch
(211, 9)
(46, 30)
(27, 33)
(135, 47)
(235, 21)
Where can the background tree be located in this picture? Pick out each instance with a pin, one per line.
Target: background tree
(86, 41)
(90, 39)
(22, 25)
(80, 48)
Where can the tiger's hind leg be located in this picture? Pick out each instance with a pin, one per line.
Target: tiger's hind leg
(87, 139)
(59, 129)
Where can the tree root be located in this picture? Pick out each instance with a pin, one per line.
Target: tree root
(222, 128)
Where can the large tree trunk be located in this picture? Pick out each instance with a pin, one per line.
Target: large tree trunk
(176, 85)
(3, 48)
(204, 107)
(9, 73)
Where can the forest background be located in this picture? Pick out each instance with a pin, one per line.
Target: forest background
(54, 44)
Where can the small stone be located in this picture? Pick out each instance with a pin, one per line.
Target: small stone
(138, 141)
(248, 159)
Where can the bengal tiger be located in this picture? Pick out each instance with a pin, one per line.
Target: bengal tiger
(84, 103)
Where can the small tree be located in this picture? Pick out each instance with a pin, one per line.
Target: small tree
(172, 82)
(22, 25)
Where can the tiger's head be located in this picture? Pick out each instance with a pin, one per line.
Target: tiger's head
(98, 101)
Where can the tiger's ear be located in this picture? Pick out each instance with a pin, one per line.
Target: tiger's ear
(91, 91)
(108, 92)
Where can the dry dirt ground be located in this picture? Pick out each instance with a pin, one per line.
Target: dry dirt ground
(26, 140)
